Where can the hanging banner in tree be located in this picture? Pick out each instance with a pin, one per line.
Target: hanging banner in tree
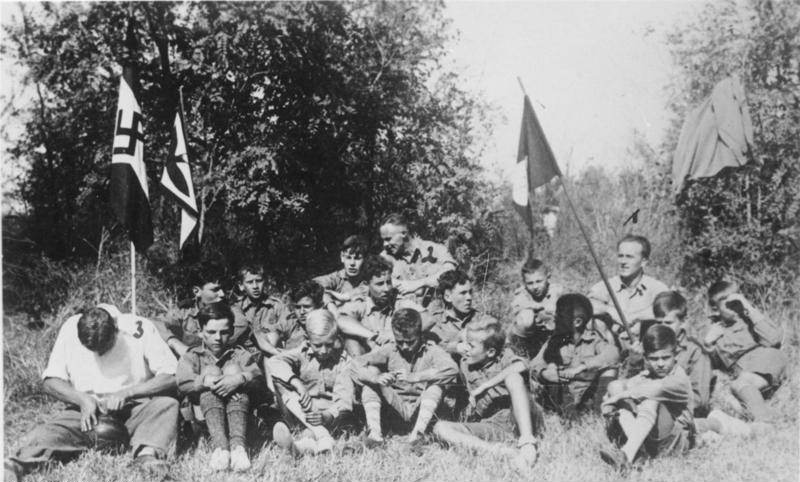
(177, 180)
(129, 196)
(536, 165)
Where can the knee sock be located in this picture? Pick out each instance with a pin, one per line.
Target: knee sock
(638, 428)
(429, 400)
(372, 409)
(217, 428)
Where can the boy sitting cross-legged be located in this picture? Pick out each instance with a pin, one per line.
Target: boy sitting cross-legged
(501, 408)
(403, 379)
(315, 386)
(215, 375)
(650, 413)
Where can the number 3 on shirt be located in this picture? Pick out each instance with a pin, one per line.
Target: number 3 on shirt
(139, 329)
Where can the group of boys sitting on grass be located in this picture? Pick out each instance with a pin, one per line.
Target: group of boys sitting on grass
(347, 353)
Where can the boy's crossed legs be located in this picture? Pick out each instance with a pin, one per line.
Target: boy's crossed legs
(374, 397)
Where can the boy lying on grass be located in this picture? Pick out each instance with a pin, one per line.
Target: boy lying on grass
(315, 387)
(402, 382)
(744, 344)
(649, 414)
(501, 408)
(216, 376)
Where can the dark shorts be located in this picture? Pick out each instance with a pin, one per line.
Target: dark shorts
(672, 433)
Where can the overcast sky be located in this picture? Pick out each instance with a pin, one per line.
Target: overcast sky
(595, 71)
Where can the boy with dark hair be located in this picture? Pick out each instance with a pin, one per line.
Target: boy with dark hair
(650, 414)
(315, 385)
(365, 321)
(534, 307)
(181, 329)
(456, 313)
(115, 374)
(501, 408)
(216, 376)
(416, 263)
(403, 382)
(744, 344)
(289, 331)
(576, 363)
(341, 284)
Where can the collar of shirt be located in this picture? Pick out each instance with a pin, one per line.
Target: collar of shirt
(372, 307)
(205, 351)
(589, 335)
(637, 290)
(248, 303)
(408, 251)
(451, 317)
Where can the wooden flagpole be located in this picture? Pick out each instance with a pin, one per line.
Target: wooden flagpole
(133, 279)
(588, 243)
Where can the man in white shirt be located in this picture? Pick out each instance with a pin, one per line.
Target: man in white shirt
(113, 371)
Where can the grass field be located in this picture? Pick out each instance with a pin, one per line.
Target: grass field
(566, 453)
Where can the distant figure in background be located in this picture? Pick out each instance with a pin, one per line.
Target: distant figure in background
(416, 263)
(533, 308)
(550, 220)
(115, 374)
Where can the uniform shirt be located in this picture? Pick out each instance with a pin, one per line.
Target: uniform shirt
(697, 365)
(495, 398)
(547, 305)
(419, 260)
(191, 365)
(181, 324)
(138, 355)
(736, 339)
(448, 329)
(251, 316)
(674, 390)
(291, 332)
(331, 380)
(591, 348)
(636, 301)
(340, 283)
(388, 359)
(378, 319)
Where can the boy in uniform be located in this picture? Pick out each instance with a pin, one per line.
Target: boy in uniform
(534, 308)
(416, 263)
(365, 321)
(650, 413)
(115, 374)
(744, 344)
(181, 330)
(315, 385)
(403, 381)
(289, 330)
(340, 285)
(447, 323)
(576, 363)
(498, 412)
(216, 375)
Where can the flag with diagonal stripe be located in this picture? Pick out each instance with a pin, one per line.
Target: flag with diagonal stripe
(177, 180)
(129, 197)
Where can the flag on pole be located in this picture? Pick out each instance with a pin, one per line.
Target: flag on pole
(177, 179)
(129, 196)
(536, 165)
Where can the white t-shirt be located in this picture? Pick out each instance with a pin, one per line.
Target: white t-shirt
(138, 355)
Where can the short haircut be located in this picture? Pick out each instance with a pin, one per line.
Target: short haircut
(355, 244)
(374, 267)
(407, 321)
(533, 265)
(310, 289)
(202, 275)
(721, 286)
(396, 219)
(96, 329)
(449, 279)
(252, 268)
(669, 301)
(215, 311)
(493, 334)
(658, 337)
(321, 323)
(640, 240)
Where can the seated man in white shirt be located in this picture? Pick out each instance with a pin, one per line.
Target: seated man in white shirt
(635, 290)
(112, 371)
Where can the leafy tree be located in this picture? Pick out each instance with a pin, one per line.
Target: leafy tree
(306, 122)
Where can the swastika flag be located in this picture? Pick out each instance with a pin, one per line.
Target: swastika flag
(177, 180)
(129, 197)
(536, 164)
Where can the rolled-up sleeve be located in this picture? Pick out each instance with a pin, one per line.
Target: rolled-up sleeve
(156, 351)
(188, 374)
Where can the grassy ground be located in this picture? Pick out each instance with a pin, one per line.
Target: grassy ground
(566, 453)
